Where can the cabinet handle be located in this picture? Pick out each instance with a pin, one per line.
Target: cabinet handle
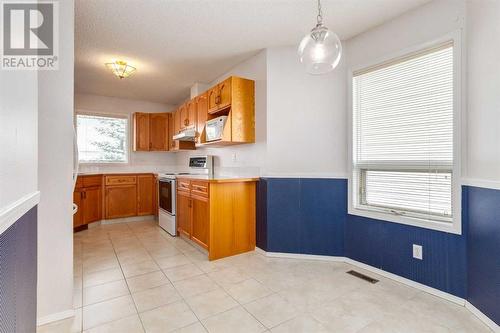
(186, 122)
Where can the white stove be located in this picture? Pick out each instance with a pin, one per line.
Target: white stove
(167, 191)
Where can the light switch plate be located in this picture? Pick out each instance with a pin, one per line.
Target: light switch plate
(418, 252)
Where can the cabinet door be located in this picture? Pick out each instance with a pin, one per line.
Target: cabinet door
(201, 117)
(141, 131)
(145, 194)
(225, 94)
(183, 116)
(183, 213)
(158, 131)
(78, 217)
(92, 205)
(212, 99)
(177, 121)
(191, 113)
(121, 201)
(171, 132)
(200, 221)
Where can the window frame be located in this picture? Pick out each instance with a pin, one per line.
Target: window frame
(455, 226)
(108, 115)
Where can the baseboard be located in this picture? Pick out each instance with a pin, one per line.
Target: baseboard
(303, 256)
(481, 316)
(408, 282)
(55, 317)
(129, 219)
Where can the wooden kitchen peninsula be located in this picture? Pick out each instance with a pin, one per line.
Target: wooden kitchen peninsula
(217, 213)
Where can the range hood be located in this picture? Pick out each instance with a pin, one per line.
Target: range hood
(186, 135)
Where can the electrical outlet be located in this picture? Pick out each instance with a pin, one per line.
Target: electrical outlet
(234, 157)
(418, 252)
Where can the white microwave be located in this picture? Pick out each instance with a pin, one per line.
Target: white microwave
(215, 128)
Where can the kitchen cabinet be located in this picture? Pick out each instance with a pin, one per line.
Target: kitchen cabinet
(151, 131)
(88, 197)
(141, 131)
(201, 117)
(234, 98)
(121, 201)
(184, 213)
(199, 220)
(217, 214)
(114, 196)
(92, 204)
(145, 195)
(190, 114)
(175, 128)
(183, 116)
(158, 137)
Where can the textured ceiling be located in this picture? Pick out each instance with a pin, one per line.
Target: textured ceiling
(174, 43)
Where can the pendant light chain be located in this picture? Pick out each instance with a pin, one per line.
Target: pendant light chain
(319, 18)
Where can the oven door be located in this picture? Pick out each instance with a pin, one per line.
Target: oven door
(166, 195)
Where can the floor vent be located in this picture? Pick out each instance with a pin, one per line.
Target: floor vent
(362, 276)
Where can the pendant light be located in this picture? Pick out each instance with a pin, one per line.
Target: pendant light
(320, 50)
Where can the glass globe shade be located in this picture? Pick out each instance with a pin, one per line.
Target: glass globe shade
(320, 51)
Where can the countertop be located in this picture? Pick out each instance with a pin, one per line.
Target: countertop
(219, 179)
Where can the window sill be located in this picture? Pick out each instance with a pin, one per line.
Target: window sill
(454, 228)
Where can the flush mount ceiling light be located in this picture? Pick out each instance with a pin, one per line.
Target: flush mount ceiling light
(320, 50)
(121, 68)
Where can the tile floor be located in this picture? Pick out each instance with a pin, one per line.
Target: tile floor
(134, 277)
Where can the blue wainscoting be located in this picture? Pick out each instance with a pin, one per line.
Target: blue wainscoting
(309, 216)
(388, 246)
(18, 275)
(302, 215)
(483, 248)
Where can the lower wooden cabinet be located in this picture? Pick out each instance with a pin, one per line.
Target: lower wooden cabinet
(199, 219)
(114, 196)
(145, 194)
(121, 201)
(219, 216)
(183, 213)
(92, 204)
(88, 197)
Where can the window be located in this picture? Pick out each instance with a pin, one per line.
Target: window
(403, 134)
(102, 139)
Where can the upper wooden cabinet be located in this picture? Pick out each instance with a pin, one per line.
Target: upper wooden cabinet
(190, 114)
(220, 96)
(141, 131)
(201, 117)
(158, 133)
(234, 98)
(151, 131)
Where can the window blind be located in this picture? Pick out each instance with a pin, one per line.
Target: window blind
(403, 134)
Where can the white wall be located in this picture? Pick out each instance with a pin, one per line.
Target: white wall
(483, 78)
(18, 135)
(306, 122)
(55, 166)
(138, 161)
(249, 158)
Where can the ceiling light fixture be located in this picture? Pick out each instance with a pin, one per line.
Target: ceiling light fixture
(320, 50)
(121, 68)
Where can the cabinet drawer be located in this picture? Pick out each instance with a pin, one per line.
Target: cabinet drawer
(121, 180)
(199, 188)
(89, 181)
(183, 184)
